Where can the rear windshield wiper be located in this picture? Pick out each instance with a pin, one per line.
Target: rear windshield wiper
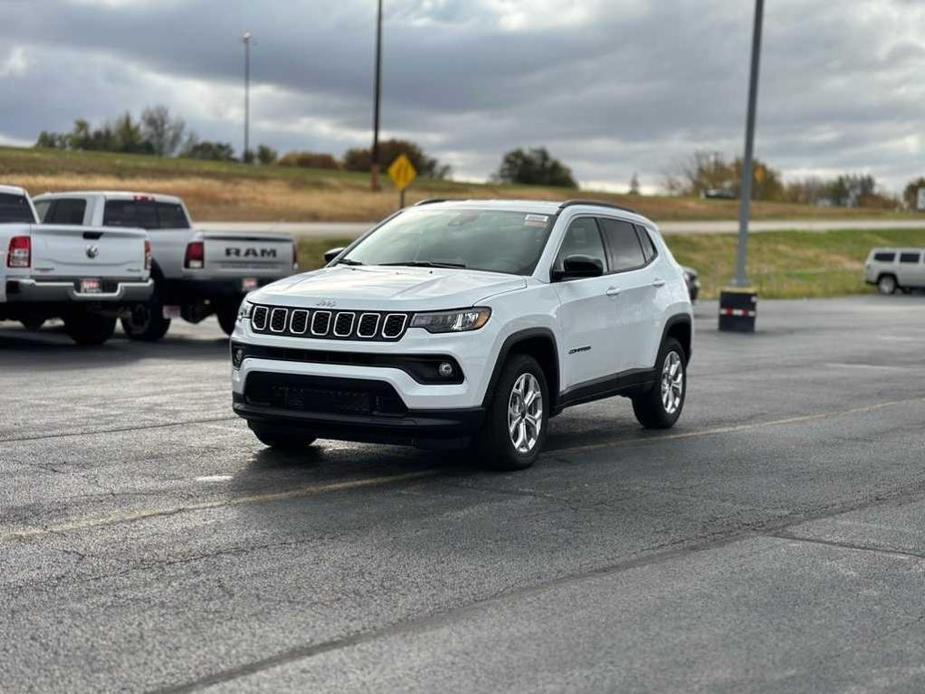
(425, 263)
(348, 261)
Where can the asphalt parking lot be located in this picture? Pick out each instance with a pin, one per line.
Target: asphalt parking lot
(773, 541)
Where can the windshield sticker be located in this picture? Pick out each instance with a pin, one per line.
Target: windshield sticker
(536, 220)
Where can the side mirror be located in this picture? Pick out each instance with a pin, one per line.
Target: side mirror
(331, 254)
(578, 266)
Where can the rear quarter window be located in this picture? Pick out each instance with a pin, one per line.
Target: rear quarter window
(170, 215)
(884, 257)
(130, 213)
(65, 211)
(15, 209)
(910, 257)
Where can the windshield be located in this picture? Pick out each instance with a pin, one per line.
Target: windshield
(15, 209)
(492, 240)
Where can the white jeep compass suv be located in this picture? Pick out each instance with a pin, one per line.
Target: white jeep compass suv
(468, 323)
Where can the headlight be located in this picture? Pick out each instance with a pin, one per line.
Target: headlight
(452, 321)
(244, 310)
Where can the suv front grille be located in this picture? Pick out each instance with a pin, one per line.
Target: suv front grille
(333, 325)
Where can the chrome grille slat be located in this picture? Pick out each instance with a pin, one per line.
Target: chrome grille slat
(298, 316)
(401, 318)
(259, 318)
(319, 316)
(350, 317)
(365, 318)
(287, 321)
(278, 317)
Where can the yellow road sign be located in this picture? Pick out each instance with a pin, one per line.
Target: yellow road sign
(402, 172)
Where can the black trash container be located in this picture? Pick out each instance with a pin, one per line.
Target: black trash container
(737, 310)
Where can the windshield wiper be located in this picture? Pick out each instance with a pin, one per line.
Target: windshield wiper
(348, 261)
(425, 263)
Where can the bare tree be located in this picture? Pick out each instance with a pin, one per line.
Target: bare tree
(163, 132)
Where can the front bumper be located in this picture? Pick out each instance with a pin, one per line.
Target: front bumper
(429, 429)
(64, 291)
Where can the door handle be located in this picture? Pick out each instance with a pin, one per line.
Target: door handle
(658, 282)
(612, 291)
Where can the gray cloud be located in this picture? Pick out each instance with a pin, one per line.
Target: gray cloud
(611, 87)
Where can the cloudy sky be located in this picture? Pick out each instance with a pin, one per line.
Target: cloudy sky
(612, 87)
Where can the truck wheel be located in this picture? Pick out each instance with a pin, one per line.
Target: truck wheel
(517, 417)
(227, 315)
(661, 406)
(32, 324)
(282, 440)
(146, 322)
(887, 284)
(87, 328)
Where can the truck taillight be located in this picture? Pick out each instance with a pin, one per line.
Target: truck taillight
(148, 255)
(195, 255)
(295, 255)
(20, 253)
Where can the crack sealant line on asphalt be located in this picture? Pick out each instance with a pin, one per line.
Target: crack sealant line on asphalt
(120, 430)
(313, 490)
(116, 518)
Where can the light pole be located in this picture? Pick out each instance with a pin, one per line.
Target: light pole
(377, 98)
(738, 305)
(745, 201)
(247, 95)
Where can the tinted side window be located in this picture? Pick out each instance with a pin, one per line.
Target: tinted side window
(15, 208)
(170, 215)
(885, 257)
(582, 238)
(648, 246)
(66, 211)
(910, 257)
(622, 245)
(130, 213)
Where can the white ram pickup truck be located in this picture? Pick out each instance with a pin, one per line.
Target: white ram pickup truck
(196, 273)
(85, 275)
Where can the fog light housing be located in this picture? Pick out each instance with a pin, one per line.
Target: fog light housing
(237, 356)
(445, 369)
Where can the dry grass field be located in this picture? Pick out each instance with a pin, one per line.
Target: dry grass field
(218, 191)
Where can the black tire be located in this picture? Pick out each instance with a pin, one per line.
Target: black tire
(495, 448)
(89, 329)
(32, 324)
(282, 440)
(887, 284)
(227, 315)
(651, 408)
(146, 322)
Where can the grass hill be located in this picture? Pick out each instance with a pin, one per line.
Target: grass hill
(229, 191)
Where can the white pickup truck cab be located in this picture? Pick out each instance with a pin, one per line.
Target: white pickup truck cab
(85, 275)
(468, 323)
(196, 273)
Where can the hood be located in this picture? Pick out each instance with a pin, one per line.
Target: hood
(387, 288)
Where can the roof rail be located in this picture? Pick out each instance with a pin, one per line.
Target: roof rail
(598, 203)
(429, 201)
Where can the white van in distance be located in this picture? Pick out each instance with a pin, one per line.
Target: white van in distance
(895, 268)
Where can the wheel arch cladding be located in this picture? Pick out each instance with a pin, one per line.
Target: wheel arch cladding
(539, 343)
(680, 328)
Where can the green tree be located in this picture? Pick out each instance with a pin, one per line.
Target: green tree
(266, 155)
(534, 167)
(911, 192)
(204, 149)
(360, 158)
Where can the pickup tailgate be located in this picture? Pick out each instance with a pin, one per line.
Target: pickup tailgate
(92, 252)
(251, 255)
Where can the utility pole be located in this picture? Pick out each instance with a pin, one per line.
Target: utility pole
(247, 95)
(377, 98)
(745, 202)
